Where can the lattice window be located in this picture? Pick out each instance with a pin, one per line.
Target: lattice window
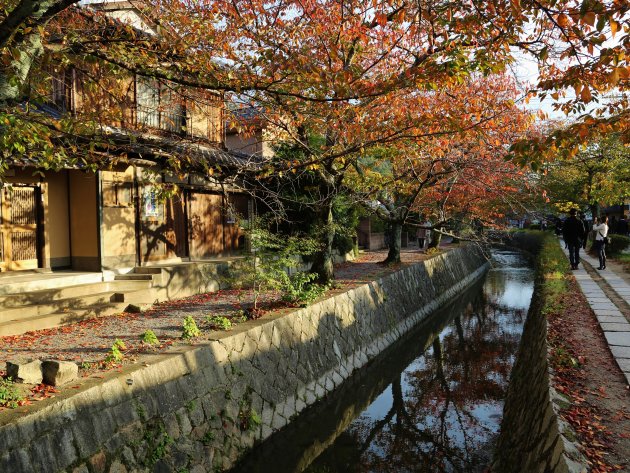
(23, 246)
(61, 89)
(159, 106)
(23, 206)
(204, 117)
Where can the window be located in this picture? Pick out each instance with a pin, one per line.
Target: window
(61, 90)
(117, 194)
(159, 106)
(204, 115)
(148, 102)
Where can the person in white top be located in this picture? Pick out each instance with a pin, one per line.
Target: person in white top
(600, 227)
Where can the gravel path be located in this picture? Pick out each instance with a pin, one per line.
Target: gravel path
(88, 342)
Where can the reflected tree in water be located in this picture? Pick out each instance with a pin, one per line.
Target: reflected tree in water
(444, 409)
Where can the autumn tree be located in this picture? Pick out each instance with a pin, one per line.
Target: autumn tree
(460, 170)
(346, 75)
(304, 53)
(598, 175)
(583, 52)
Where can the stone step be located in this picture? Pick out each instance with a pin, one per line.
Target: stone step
(82, 302)
(143, 296)
(69, 292)
(56, 319)
(146, 270)
(133, 277)
(23, 283)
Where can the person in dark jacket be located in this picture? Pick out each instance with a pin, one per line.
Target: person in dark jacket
(573, 233)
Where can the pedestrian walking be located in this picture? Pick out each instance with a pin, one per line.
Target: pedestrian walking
(600, 227)
(573, 232)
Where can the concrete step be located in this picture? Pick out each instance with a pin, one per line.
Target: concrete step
(142, 296)
(70, 292)
(23, 283)
(55, 319)
(133, 277)
(146, 270)
(81, 302)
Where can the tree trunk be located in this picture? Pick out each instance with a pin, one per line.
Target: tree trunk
(436, 238)
(394, 243)
(594, 209)
(14, 75)
(323, 261)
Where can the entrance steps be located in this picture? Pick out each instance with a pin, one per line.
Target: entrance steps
(11, 283)
(48, 308)
(36, 302)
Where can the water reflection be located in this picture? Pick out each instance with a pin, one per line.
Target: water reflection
(431, 403)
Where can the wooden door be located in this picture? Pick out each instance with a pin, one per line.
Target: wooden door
(205, 217)
(18, 228)
(237, 211)
(163, 231)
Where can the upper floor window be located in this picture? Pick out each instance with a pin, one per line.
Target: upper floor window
(159, 106)
(192, 112)
(61, 90)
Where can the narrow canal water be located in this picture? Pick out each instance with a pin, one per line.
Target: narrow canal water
(431, 403)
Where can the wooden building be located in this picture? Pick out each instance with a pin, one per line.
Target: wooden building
(118, 218)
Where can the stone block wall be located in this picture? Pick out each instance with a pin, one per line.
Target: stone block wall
(200, 408)
(183, 280)
(533, 438)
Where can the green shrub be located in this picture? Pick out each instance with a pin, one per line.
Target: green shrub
(272, 259)
(116, 354)
(218, 322)
(299, 288)
(534, 226)
(618, 243)
(343, 243)
(149, 338)
(10, 395)
(190, 329)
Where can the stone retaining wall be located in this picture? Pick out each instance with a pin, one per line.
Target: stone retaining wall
(199, 408)
(533, 437)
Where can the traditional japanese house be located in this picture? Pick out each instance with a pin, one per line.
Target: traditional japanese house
(151, 200)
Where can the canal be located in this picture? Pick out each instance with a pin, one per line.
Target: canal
(432, 402)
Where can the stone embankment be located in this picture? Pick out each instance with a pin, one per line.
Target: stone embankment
(533, 437)
(199, 409)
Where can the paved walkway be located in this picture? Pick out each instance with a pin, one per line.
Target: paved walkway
(609, 297)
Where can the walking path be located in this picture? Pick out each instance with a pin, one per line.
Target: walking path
(609, 296)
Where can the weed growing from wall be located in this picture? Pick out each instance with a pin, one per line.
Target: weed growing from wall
(116, 354)
(190, 329)
(10, 395)
(158, 442)
(149, 338)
